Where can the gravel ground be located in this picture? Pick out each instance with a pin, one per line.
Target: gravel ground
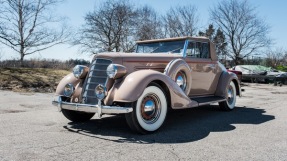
(32, 129)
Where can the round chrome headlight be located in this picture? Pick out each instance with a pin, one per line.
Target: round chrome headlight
(69, 90)
(80, 71)
(112, 70)
(116, 71)
(100, 91)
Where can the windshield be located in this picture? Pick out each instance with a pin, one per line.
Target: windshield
(161, 47)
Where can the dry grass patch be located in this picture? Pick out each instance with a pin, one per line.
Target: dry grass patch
(30, 79)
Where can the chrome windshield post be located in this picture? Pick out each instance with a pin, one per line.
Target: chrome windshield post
(184, 49)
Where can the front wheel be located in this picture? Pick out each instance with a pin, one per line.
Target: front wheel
(229, 104)
(149, 111)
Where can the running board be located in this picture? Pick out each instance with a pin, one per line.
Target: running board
(207, 100)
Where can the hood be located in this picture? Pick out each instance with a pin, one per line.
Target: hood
(140, 61)
(123, 57)
(114, 56)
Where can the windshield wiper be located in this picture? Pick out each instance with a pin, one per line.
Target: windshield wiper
(174, 50)
(154, 49)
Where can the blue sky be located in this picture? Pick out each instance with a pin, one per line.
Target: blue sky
(274, 13)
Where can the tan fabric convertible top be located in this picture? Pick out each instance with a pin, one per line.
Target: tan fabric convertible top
(174, 39)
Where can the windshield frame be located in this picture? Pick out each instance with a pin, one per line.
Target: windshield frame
(182, 53)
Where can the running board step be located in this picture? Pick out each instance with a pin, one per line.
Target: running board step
(207, 100)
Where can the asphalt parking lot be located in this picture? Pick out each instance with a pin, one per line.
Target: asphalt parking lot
(32, 129)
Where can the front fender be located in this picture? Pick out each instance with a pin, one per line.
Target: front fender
(67, 79)
(131, 88)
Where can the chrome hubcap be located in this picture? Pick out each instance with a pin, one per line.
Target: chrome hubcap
(150, 108)
(181, 80)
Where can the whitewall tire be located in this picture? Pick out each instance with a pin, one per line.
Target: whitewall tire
(229, 104)
(149, 111)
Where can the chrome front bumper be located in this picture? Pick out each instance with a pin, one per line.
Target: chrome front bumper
(99, 109)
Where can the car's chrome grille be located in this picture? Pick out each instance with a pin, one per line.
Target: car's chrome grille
(97, 75)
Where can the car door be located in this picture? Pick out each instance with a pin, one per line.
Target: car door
(204, 69)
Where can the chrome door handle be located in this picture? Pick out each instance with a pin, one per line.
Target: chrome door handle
(211, 66)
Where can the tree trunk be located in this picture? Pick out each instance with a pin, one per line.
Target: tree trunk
(237, 60)
(22, 57)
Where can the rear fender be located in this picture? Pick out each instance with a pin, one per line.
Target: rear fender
(131, 88)
(224, 80)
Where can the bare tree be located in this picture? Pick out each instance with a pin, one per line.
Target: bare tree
(246, 32)
(275, 57)
(26, 26)
(149, 25)
(181, 21)
(1, 55)
(108, 28)
(126, 38)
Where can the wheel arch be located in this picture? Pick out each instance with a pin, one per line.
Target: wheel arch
(179, 65)
(224, 81)
(165, 89)
(237, 86)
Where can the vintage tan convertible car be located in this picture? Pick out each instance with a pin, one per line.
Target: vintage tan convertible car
(174, 73)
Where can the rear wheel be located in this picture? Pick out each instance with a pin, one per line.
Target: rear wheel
(77, 116)
(179, 71)
(229, 104)
(149, 111)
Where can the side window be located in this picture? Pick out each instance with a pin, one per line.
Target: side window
(139, 49)
(190, 49)
(205, 50)
(198, 50)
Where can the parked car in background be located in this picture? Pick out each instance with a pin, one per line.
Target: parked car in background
(238, 74)
(174, 73)
(261, 74)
